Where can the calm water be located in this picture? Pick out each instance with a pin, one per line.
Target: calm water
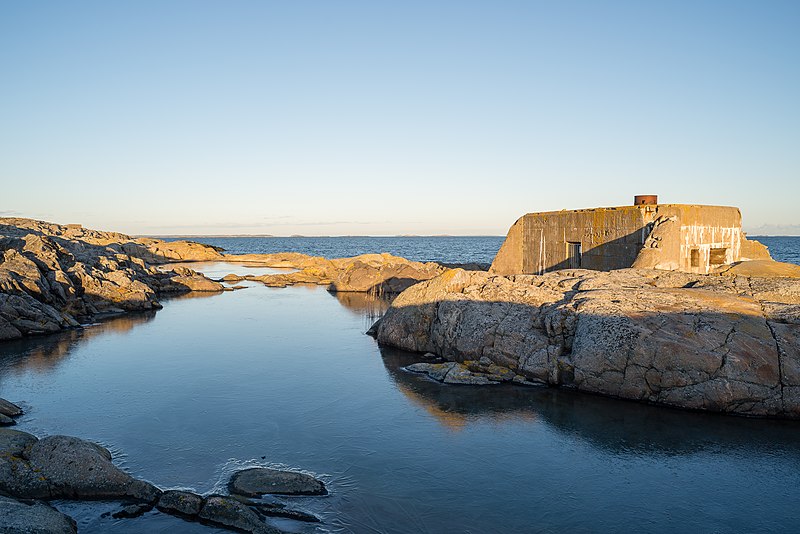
(479, 249)
(448, 249)
(264, 376)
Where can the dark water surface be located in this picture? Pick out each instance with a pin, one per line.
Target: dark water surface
(263, 376)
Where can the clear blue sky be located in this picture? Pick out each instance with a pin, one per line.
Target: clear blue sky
(338, 117)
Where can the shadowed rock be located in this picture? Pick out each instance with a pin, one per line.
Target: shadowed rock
(132, 510)
(706, 342)
(228, 512)
(36, 518)
(9, 408)
(64, 467)
(259, 481)
(183, 503)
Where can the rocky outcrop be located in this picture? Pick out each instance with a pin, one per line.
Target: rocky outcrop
(717, 343)
(54, 277)
(368, 273)
(64, 467)
(37, 517)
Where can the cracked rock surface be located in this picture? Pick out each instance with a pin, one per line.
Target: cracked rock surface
(707, 342)
(54, 277)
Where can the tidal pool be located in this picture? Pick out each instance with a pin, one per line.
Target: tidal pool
(262, 376)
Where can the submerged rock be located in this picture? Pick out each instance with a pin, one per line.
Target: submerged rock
(706, 342)
(451, 373)
(38, 518)
(9, 408)
(259, 481)
(132, 510)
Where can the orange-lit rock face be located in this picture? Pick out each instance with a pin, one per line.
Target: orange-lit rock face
(706, 342)
(696, 239)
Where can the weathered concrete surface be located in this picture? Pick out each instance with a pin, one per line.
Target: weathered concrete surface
(54, 277)
(706, 342)
(367, 273)
(36, 518)
(688, 238)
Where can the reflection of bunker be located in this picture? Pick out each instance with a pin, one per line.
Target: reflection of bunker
(696, 239)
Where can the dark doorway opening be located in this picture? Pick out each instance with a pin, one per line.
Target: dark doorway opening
(574, 255)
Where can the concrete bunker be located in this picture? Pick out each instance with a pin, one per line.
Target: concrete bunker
(683, 237)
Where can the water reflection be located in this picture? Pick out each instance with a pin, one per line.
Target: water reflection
(616, 426)
(43, 354)
(369, 307)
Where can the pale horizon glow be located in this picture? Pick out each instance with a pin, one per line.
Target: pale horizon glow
(411, 118)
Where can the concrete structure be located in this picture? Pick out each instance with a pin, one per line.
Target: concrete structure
(695, 239)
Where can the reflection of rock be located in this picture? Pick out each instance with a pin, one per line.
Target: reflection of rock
(53, 277)
(44, 353)
(606, 424)
(695, 341)
(369, 273)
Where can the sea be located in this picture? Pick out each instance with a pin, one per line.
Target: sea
(286, 377)
(445, 249)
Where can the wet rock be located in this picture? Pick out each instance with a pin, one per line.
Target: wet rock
(228, 512)
(184, 503)
(64, 467)
(6, 420)
(9, 408)
(280, 510)
(132, 510)
(258, 481)
(38, 518)
(451, 373)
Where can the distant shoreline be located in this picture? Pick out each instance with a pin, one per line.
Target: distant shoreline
(186, 236)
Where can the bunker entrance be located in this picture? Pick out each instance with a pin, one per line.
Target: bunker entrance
(574, 255)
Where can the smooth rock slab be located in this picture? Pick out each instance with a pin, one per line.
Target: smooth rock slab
(37, 518)
(262, 480)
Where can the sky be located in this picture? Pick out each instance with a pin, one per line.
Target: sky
(384, 118)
